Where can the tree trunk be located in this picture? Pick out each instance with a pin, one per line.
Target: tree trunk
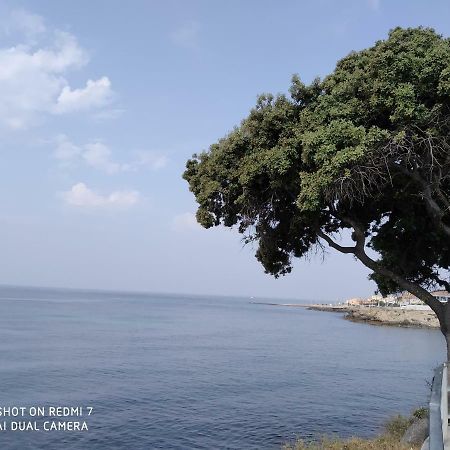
(442, 310)
(447, 340)
(444, 321)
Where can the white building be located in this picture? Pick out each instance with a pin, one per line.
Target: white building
(442, 296)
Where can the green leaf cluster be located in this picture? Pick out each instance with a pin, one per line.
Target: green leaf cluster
(362, 146)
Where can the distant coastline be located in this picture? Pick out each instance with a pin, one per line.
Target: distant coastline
(390, 316)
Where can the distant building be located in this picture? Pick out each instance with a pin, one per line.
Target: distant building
(406, 298)
(403, 300)
(374, 300)
(354, 302)
(442, 296)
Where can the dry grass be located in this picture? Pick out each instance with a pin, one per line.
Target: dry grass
(380, 443)
(390, 440)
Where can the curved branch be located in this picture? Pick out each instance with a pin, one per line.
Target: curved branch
(334, 244)
(409, 286)
(359, 251)
(440, 281)
(434, 210)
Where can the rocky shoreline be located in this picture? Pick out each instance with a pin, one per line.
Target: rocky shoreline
(400, 317)
(396, 317)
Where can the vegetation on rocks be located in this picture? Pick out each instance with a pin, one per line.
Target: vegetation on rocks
(381, 443)
(390, 439)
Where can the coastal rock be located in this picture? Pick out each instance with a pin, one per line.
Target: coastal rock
(416, 433)
(393, 316)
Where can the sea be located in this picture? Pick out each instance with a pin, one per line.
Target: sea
(158, 371)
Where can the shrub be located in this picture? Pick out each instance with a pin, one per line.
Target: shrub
(421, 413)
(396, 427)
(394, 430)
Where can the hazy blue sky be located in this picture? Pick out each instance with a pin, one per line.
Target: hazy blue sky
(101, 104)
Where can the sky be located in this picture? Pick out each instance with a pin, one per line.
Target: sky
(102, 103)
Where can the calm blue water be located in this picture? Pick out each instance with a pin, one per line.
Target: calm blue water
(172, 372)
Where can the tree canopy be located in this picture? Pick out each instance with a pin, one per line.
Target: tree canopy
(364, 149)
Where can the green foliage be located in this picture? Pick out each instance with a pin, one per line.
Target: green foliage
(359, 146)
(421, 413)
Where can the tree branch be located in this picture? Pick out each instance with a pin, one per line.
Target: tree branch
(334, 244)
(443, 199)
(434, 210)
(440, 281)
(359, 251)
(409, 286)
